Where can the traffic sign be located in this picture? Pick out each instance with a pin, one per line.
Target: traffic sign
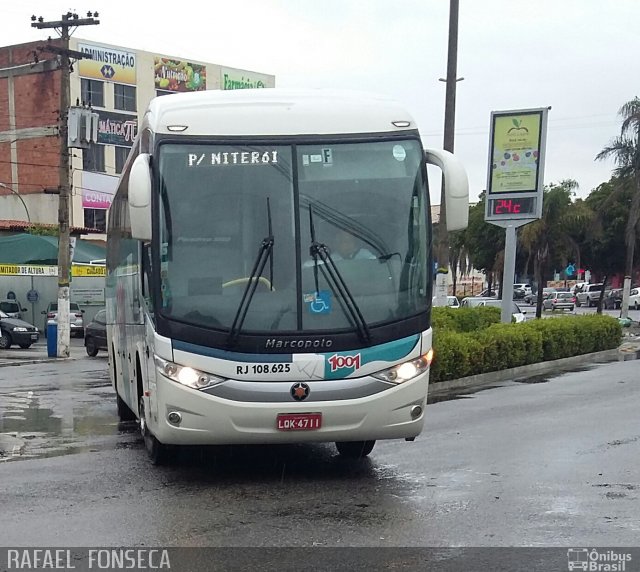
(32, 296)
(570, 270)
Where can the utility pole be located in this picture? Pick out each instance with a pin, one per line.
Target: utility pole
(63, 26)
(442, 249)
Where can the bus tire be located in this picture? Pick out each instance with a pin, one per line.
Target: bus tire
(124, 411)
(355, 449)
(159, 453)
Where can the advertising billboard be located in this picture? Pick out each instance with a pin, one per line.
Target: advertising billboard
(239, 79)
(515, 182)
(107, 64)
(179, 76)
(97, 190)
(117, 128)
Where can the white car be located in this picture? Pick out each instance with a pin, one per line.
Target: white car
(634, 298)
(589, 295)
(452, 302)
(516, 312)
(526, 288)
(76, 318)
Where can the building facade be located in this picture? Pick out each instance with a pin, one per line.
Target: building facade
(117, 83)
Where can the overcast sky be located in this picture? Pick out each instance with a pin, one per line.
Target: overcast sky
(578, 56)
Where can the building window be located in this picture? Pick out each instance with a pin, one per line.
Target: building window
(95, 218)
(124, 97)
(92, 92)
(93, 158)
(160, 92)
(121, 158)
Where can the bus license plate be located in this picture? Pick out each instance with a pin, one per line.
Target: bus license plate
(299, 421)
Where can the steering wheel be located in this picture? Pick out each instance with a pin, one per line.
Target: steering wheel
(240, 281)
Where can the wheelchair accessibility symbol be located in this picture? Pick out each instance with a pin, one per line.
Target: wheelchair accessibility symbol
(319, 302)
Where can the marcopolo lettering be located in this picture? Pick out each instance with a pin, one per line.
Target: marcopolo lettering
(274, 343)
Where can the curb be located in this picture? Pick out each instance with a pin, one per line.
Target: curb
(522, 372)
(34, 361)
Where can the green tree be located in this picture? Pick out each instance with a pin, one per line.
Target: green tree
(484, 241)
(549, 239)
(458, 256)
(625, 150)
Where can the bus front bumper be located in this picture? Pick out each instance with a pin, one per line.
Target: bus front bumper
(396, 413)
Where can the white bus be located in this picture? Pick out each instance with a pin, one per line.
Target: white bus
(270, 270)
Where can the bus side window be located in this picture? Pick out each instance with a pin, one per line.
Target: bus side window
(147, 291)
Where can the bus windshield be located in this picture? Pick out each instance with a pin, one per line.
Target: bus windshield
(365, 203)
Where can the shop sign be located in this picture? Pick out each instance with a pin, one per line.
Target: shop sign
(98, 190)
(238, 79)
(179, 76)
(107, 64)
(117, 128)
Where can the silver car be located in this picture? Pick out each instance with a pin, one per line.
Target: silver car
(76, 318)
(559, 301)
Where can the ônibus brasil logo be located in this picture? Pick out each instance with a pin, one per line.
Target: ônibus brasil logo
(338, 362)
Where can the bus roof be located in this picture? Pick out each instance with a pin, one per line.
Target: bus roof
(271, 112)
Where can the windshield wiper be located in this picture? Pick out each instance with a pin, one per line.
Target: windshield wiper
(264, 253)
(332, 276)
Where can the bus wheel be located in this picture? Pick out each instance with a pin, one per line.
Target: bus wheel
(355, 449)
(124, 412)
(158, 452)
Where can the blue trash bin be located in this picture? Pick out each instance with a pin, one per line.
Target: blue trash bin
(52, 339)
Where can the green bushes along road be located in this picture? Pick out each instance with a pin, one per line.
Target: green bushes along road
(470, 341)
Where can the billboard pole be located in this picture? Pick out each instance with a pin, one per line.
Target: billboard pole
(515, 186)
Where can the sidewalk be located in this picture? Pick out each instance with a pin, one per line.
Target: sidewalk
(37, 353)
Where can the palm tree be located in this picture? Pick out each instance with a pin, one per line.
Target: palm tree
(625, 150)
(550, 238)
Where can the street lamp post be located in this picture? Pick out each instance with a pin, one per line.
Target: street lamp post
(17, 194)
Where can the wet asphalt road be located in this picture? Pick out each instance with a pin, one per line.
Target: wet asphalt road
(553, 463)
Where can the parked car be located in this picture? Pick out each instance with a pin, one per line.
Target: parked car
(634, 298)
(521, 290)
(612, 299)
(16, 331)
(589, 295)
(95, 334)
(76, 317)
(533, 297)
(473, 301)
(12, 308)
(476, 301)
(453, 302)
(487, 294)
(559, 301)
(516, 312)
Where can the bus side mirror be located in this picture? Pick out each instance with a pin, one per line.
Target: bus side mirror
(140, 197)
(456, 187)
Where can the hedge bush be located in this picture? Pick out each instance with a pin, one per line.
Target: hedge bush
(494, 346)
(464, 319)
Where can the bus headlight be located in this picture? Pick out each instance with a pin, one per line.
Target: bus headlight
(187, 375)
(407, 370)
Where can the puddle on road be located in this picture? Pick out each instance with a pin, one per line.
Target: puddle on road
(50, 420)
